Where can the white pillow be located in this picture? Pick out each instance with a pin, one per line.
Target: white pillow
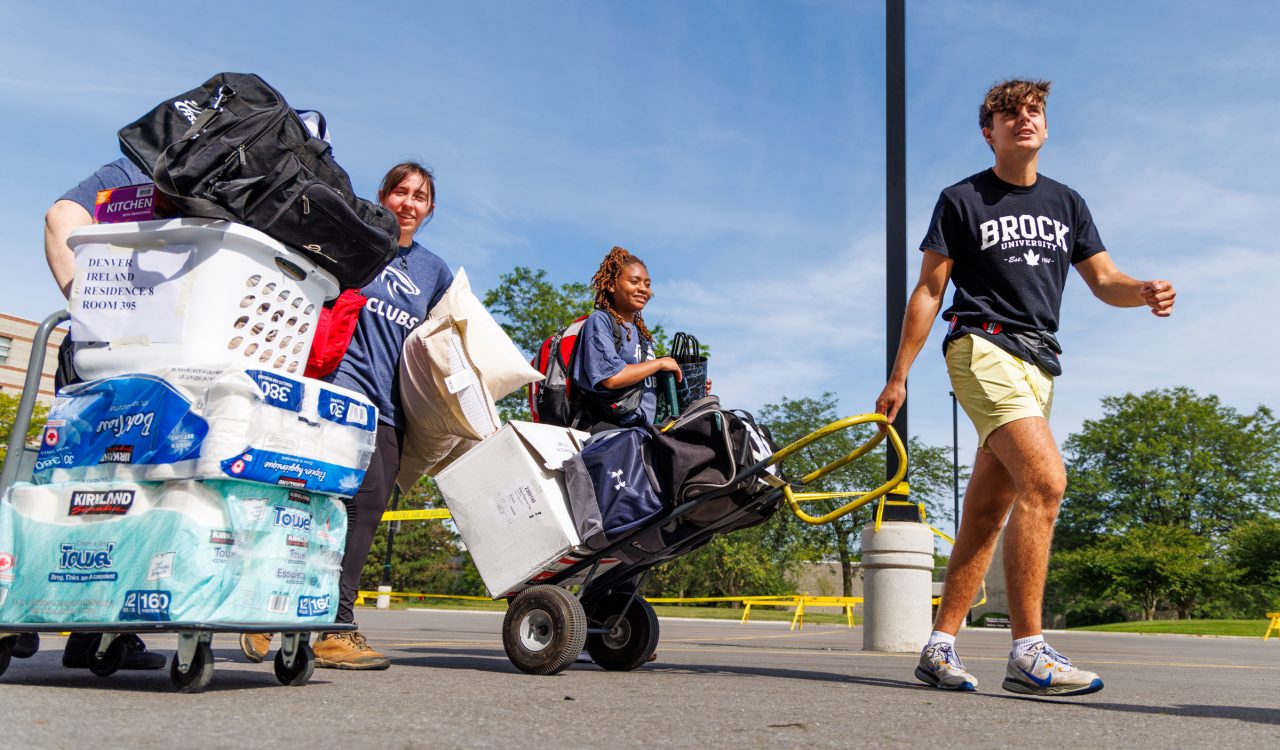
(500, 363)
(446, 404)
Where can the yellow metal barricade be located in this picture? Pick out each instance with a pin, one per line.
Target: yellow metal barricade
(1275, 625)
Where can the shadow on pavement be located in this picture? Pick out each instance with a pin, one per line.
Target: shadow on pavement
(489, 660)
(48, 672)
(481, 660)
(1183, 710)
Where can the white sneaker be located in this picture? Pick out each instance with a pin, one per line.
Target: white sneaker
(940, 666)
(1043, 671)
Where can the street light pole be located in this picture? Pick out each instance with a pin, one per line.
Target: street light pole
(895, 255)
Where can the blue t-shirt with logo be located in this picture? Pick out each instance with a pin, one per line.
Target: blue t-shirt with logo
(600, 358)
(1012, 248)
(119, 173)
(398, 300)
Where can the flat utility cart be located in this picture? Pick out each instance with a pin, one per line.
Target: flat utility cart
(547, 627)
(144, 610)
(191, 669)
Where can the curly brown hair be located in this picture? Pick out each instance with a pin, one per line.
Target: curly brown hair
(1008, 96)
(606, 277)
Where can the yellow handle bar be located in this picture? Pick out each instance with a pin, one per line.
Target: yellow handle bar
(794, 498)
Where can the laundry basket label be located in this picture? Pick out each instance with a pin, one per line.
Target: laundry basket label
(133, 294)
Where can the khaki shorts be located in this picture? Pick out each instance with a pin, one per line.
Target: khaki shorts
(995, 387)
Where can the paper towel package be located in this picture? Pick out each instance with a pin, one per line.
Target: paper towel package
(508, 499)
(180, 551)
(209, 423)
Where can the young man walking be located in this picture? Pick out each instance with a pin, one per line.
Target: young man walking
(1007, 237)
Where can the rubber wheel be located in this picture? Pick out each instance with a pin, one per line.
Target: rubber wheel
(304, 665)
(198, 676)
(633, 637)
(544, 630)
(32, 645)
(6, 653)
(111, 660)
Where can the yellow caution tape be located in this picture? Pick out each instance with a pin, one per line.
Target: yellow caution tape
(360, 595)
(428, 514)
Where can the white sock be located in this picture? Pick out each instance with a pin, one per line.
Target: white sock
(938, 636)
(1023, 645)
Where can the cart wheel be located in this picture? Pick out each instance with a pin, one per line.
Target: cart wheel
(26, 645)
(110, 661)
(632, 638)
(304, 665)
(6, 653)
(544, 630)
(197, 678)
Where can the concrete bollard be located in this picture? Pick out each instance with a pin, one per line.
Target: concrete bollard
(897, 571)
(384, 597)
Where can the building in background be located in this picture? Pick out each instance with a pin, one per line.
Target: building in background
(16, 336)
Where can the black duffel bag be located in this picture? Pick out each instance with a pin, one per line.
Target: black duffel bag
(234, 149)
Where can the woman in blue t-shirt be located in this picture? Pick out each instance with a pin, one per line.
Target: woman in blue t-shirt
(615, 348)
(396, 302)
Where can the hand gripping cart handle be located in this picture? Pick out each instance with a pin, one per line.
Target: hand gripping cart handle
(794, 498)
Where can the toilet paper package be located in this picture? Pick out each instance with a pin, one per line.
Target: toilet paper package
(209, 423)
(180, 551)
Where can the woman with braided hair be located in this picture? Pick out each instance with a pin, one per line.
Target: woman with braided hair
(615, 363)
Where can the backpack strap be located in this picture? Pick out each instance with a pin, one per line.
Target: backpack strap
(591, 411)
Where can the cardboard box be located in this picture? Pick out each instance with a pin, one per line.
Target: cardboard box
(508, 499)
(132, 203)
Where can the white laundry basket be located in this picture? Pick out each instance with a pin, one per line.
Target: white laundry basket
(176, 292)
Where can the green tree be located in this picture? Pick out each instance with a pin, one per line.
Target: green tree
(427, 556)
(1147, 569)
(531, 309)
(9, 412)
(1169, 458)
(930, 477)
(1253, 549)
(729, 565)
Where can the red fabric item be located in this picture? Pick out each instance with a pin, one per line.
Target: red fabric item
(334, 330)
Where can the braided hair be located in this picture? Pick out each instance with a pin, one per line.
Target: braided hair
(607, 276)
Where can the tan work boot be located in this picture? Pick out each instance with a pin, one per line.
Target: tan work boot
(348, 650)
(255, 646)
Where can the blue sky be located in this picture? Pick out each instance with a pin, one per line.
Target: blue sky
(738, 148)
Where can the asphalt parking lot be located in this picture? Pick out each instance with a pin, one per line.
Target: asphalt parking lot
(713, 684)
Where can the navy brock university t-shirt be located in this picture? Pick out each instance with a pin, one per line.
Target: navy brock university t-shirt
(1012, 247)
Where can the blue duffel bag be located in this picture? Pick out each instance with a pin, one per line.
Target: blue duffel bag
(612, 487)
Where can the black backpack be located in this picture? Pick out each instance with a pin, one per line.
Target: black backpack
(234, 149)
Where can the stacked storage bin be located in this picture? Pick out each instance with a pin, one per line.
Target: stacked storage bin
(194, 475)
